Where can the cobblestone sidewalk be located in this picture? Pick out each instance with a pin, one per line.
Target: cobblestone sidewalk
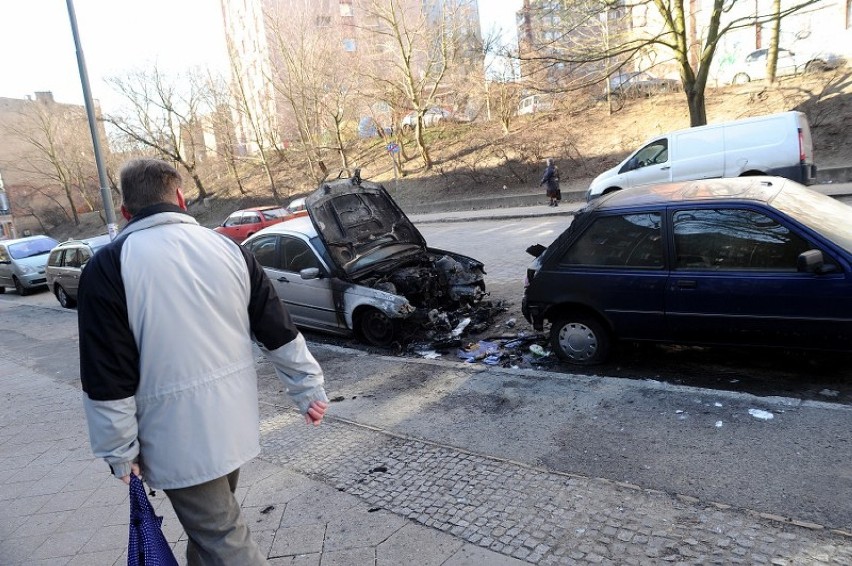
(537, 516)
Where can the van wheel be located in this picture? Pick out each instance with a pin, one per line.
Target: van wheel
(580, 340)
(22, 291)
(376, 327)
(64, 299)
(741, 79)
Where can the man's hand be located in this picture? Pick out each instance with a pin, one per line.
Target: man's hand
(316, 410)
(134, 469)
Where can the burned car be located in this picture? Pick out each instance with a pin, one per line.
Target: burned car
(358, 265)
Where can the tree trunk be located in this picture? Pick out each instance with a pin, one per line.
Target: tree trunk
(421, 145)
(69, 196)
(697, 109)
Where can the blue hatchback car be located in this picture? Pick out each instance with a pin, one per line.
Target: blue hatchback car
(757, 261)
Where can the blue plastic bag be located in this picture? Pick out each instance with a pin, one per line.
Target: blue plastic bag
(147, 545)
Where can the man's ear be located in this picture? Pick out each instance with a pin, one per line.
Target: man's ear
(126, 213)
(181, 201)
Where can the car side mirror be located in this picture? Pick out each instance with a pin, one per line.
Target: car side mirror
(812, 261)
(310, 273)
(536, 250)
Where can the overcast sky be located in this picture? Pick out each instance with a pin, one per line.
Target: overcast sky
(117, 36)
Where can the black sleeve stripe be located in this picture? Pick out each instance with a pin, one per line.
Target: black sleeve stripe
(109, 358)
(270, 322)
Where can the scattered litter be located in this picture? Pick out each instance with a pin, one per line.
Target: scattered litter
(511, 322)
(429, 354)
(479, 351)
(379, 469)
(718, 424)
(373, 509)
(679, 411)
(457, 331)
(267, 509)
(337, 399)
(829, 393)
(717, 404)
(537, 350)
(761, 414)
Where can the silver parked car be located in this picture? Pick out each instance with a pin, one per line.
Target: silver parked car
(65, 264)
(358, 265)
(753, 66)
(22, 263)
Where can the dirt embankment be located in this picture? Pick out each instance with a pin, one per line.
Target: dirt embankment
(477, 160)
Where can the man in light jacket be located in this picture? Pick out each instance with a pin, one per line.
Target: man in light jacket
(167, 312)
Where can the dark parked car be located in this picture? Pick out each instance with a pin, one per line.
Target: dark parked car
(358, 265)
(640, 85)
(758, 261)
(65, 264)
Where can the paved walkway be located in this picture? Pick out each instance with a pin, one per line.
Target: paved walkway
(60, 506)
(351, 495)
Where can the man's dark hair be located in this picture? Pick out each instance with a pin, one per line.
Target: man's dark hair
(145, 182)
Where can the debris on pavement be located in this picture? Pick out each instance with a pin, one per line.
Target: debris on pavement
(761, 414)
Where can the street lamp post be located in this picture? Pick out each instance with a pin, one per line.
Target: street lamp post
(106, 196)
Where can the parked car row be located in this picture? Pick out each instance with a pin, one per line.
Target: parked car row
(752, 67)
(732, 259)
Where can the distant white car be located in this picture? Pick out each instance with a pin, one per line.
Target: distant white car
(753, 66)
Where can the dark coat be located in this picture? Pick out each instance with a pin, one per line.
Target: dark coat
(551, 179)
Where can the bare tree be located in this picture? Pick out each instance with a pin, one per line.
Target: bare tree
(219, 100)
(56, 149)
(163, 113)
(416, 47)
(315, 81)
(672, 31)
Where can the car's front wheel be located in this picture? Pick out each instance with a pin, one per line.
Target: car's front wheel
(64, 299)
(376, 327)
(741, 79)
(19, 287)
(581, 340)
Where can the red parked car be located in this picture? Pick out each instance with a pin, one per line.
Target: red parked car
(243, 223)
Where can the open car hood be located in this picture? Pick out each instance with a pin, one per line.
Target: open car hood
(361, 225)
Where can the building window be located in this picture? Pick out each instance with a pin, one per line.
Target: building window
(349, 45)
(346, 9)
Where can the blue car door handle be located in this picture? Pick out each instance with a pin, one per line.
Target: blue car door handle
(666, 168)
(686, 284)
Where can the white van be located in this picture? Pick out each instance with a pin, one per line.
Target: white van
(777, 144)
